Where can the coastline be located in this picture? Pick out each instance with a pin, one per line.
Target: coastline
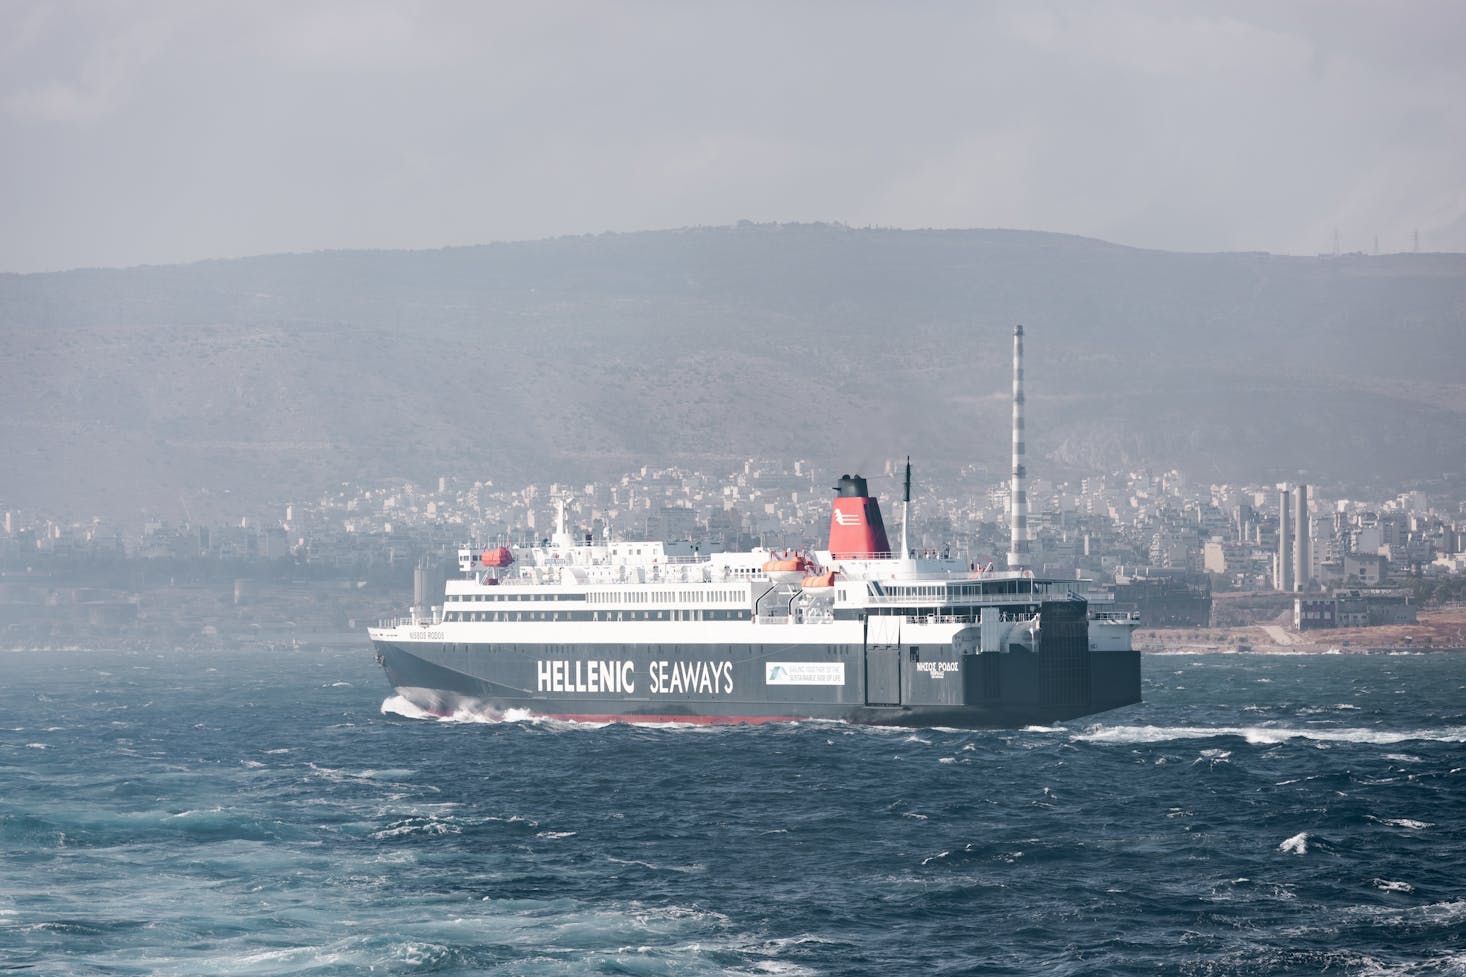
(1437, 630)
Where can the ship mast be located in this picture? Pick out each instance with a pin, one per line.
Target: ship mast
(1018, 552)
(905, 510)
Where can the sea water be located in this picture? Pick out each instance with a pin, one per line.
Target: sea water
(270, 814)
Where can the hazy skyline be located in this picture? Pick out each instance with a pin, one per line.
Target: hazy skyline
(165, 132)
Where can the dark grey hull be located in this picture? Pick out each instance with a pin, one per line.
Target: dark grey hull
(746, 683)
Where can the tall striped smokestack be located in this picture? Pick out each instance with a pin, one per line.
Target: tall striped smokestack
(1018, 552)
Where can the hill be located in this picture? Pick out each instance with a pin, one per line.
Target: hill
(240, 383)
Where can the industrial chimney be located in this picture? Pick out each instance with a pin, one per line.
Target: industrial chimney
(1019, 556)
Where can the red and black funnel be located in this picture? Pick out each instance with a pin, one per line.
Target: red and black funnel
(856, 529)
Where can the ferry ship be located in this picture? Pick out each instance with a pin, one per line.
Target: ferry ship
(648, 631)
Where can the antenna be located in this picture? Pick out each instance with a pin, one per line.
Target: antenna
(1018, 552)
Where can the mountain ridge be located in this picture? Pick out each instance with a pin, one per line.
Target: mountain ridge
(275, 377)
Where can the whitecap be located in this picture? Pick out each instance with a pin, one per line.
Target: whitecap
(555, 835)
(424, 956)
(776, 946)
(466, 714)
(35, 746)
(682, 869)
(518, 819)
(417, 826)
(1434, 914)
(1410, 823)
(1267, 735)
(1296, 845)
(306, 955)
(782, 967)
(401, 706)
(483, 716)
(1388, 886)
(338, 776)
(393, 772)
(803, 939)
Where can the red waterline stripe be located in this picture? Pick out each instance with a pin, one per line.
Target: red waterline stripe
(637, 718)
(622, 717)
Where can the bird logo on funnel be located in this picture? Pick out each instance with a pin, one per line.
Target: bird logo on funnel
(856, 528)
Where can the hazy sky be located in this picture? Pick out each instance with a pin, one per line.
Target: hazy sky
(135, 132)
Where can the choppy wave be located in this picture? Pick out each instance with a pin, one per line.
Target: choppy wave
(1266, 735)
(1410, 823)
(1296, 845)
(399, 705)
(273, 819)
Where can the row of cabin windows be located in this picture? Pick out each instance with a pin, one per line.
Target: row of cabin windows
(664, 596)
(989, 588)
(954, 611)
(595, 597)
(697, 614)
(477, 598)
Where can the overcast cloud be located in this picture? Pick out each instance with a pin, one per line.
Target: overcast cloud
(161, 132)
